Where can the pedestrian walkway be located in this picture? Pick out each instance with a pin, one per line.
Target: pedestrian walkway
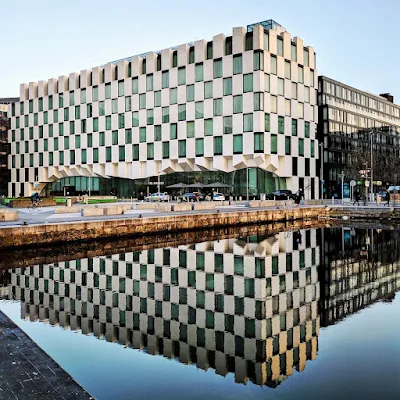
(27, 372)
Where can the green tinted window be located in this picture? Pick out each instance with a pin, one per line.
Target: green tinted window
(247, 83)
(108, 90)
(288, 149)
(199, 112)
(173, 131)
(208, 127)
(165, 79)
(190, 129)
(227, 86)
(274, 144)
(135, 85)
(135, 119)
(199, 147)
(182, 148)
(217, 68)
(135, 152)
(181, 76)
(237, 144)
(228, 124)
(217, 107)
(157, 98)
(208, 90)
(281, 124)
(237, 104)
(258, 142)
(237, 64)
(247, 122)
(306, 129)
(218, 145)
(142, 134)
(190, 93)
(149, 82)
(266, 122)
(199, 76)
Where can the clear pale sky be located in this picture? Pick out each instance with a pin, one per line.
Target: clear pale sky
(356, 41)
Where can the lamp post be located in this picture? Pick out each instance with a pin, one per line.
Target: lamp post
(321, 157)
(342, 181)
(371, 174)
(366, 186)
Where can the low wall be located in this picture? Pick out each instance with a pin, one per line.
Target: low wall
(37, 235)
(6, 215)
(113, 210)
(67, 210)
(204, 206)
(92, 212)
(26, 203)
(182, 207)
(162, 207)
(145, 206)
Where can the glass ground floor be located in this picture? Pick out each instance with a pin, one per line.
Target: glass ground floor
(259, 182)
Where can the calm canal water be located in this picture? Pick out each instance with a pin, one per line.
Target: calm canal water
(310, 314)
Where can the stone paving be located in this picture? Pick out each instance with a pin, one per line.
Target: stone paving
(27, 372)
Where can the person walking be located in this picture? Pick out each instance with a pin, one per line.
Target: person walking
(298, 198)
(356, 198)
(387, 198)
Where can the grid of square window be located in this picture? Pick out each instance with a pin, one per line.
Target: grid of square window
(219, 101)
(237, 305)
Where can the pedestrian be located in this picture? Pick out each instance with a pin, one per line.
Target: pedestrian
(141, 197)
(298, 198)
(356, 198)
(387, 198)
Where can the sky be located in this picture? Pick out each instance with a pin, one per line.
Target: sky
(356, 41)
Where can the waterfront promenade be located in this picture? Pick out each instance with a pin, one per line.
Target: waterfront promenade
(44, 227)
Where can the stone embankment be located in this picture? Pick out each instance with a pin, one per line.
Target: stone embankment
(362, 213)
(34, 235)
(21, 257)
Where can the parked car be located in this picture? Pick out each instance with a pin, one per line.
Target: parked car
(283, 194)
(189, 197)
(394, 189)
(158, 197)
(218, 197)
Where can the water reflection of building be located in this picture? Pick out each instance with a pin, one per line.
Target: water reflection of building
(358, 268)
(247, 306)
(5, 280)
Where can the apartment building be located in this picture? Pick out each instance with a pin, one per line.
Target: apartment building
(353, 126)
(238, 109)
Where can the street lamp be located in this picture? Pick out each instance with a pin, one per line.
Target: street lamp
(371, 174)
(342, 181)
(321, 157)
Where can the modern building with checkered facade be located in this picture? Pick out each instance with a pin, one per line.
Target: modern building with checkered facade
(243, 306)
(212, 111)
